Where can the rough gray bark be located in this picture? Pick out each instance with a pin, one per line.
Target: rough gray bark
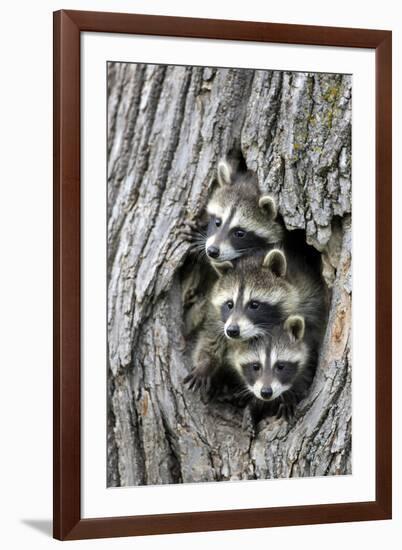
(167, 127)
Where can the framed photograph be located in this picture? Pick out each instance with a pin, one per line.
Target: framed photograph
(216, 364)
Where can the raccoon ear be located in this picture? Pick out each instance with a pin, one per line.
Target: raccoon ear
(268, 205)
(224, 173)
(222, 268)
(295, 326)
(275, 260)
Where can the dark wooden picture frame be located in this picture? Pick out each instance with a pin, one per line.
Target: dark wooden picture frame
(68, 523)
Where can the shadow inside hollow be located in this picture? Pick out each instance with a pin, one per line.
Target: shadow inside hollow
(42, 525)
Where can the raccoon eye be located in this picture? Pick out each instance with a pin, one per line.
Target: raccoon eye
(256, 367)
(218, 222)
(280, 366)
(254, 304)
(229, 304)
(239, 233)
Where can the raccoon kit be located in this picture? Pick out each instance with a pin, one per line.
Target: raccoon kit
(277, 370)
(265, 313)
(259, 293)
(241, 221)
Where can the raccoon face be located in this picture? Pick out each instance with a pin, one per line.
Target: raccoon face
(270, 366)
(240, 220)
(254, 297)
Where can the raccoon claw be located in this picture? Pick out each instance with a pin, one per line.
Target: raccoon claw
(191, 381)
(285, 411)
(187, 230)
(197, 381)
(192, 224)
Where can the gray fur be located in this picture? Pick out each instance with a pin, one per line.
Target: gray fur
(210, 350)
(288, 347)
(238, 195)
(298, 291)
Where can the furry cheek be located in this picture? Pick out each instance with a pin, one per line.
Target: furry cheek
(227, 252)
(278, 389)
(256, 389)
(248, 329)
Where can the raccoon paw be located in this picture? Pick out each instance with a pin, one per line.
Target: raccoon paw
(187, 231)
(285, 411)
(192, 299)
(198, 379)
(287, 407)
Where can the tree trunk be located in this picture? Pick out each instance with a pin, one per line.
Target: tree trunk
(167, 128)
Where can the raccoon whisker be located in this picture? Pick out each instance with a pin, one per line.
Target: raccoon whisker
(221, 337)
(198, 244)
(200, 232)
(253, 332)
(243, 392)
(216, 323)
(200, 241)
(249, 249)
(200, 238)
(265, 330)
(198, 254)
(241, 250)
(198, 248)
(244, 389)
(248, 335)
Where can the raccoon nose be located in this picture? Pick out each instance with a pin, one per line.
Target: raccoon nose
(266, 393)
(213, 251)
(233, 331)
